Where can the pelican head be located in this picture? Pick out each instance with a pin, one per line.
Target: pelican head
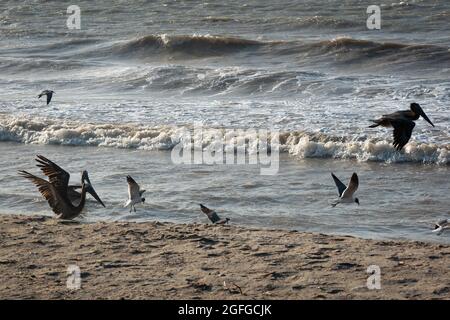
(357, 201)
(89, 189)
(417, 109)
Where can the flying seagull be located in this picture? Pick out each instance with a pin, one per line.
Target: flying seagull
(49, 168)
(48, 93)
(346, 193)
(55, 192)
(403, 123)
(212, 215)
(134, 194)
(442, 225)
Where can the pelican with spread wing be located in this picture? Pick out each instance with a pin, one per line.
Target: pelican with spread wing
(48, 167)
(403, 123)
(55, 192)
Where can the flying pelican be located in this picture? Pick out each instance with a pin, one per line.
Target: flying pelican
(212, 215)
(55, 192)
(442, 225)
(403, 123)
(346, 193)
(48, 93)
(134, 194)
(50, 168)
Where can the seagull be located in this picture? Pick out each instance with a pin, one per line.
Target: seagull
(50, 168)
(48, 93)
(134, 194)
(55, 192)
(346, 193)
(442, 225)
(403, 123)
(212, 215)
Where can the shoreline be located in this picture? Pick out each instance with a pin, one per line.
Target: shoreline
(162, 260)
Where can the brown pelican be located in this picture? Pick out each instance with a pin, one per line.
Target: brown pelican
(49, 167)
(403, 123)
(134, 194)
(346, 193)
(48, 93)
(442, 225)
(55, 192)
(213, 216)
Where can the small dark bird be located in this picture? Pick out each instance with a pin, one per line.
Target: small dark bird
(403, 123)
(212, 215)
(441, 225)
(346, 193)
(48, 93)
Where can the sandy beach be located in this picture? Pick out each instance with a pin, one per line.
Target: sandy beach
(127, 260)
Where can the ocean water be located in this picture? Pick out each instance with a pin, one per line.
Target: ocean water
(137, 74)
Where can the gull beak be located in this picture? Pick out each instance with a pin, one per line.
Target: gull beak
(426, 118)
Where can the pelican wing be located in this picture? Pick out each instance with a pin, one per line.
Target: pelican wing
(402, 132)
(57, 176)
(133, 188)
(47, 190)
(352, 186)
(212, 215)
(341, 187)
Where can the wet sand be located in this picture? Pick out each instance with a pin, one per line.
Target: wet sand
(156, 260)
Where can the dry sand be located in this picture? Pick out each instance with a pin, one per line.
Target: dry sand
(176, 261)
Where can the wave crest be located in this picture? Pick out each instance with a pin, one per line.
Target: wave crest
(300, 144)
(196, 45)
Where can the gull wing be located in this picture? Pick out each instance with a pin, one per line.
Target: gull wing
(442, 223)
(212, 215)
(352, 186)
(341, 187)
(133, 188)
(49, 97)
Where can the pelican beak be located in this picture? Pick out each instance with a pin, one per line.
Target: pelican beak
(426, 118)
(91, 191)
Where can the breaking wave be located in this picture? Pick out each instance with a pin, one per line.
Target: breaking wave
(300, 144)
(193, 45)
